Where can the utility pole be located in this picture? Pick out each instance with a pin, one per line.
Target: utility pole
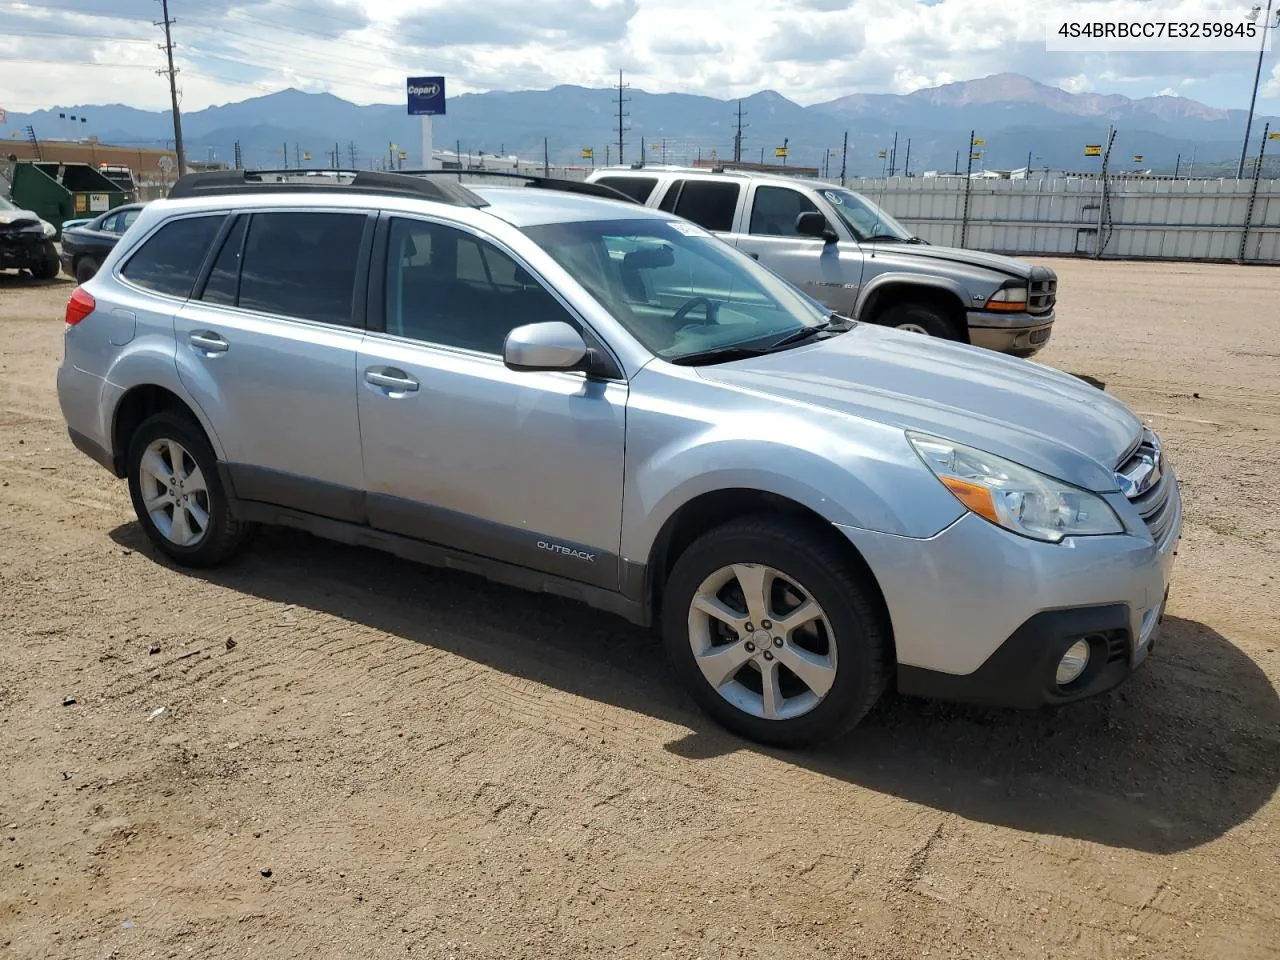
(546, 159)
(956, 171)
(906, 167)
(1257, 74)
(607, 151)
(844, 158)
(297, 155)
(351, 152)
(1253, 192)
(284, 149)
(173, 88)
(337, 156)
(239, 158)
(893, 155)
(737, 137)
(622, 115)
(1028, 164)
(1177, 164)
(968, 184)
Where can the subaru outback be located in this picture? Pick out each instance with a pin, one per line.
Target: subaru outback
(578, 395)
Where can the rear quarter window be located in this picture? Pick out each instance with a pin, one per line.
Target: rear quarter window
(170, 259)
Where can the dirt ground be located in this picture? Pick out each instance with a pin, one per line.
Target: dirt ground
(358, 757)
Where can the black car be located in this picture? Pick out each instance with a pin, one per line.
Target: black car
(86, 246)
(26, 242)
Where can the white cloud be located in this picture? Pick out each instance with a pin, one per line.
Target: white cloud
(361, 50)
(1271, 90)
(1167, 92)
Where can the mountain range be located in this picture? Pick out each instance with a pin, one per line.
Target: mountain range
(1015, 115)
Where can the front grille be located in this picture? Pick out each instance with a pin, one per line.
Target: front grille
(1042, 296)
(1146, 482)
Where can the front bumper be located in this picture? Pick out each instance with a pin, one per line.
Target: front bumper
(1021, 334)
(982, 615)
(21, 251)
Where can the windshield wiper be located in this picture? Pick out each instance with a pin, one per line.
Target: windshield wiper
(720, 355)
(894, 239)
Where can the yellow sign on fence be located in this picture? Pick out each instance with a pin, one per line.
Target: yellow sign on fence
(779, 151)
(1093, 149)
(588, 153)
(979, 142)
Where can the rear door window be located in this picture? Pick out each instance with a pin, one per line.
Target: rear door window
(302, 265)
(170, 260)
(709, 203)
(637, 188)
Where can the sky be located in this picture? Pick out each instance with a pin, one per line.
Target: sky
(77, 52)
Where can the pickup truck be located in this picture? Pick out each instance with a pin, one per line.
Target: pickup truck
(854, 258)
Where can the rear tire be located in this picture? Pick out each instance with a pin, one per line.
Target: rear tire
(86, 269)
(177, 493)
(808, 608)
(921, 318)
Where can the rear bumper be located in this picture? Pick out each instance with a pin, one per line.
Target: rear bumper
(1021, 334)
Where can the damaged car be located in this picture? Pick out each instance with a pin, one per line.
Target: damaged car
(26, 242)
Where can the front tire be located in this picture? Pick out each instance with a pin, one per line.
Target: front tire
(775, 633)
(921, 318)
(49, 267)
(177, 493)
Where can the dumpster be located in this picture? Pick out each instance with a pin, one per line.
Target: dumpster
(61, 191)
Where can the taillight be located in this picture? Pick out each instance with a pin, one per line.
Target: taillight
(79, 306)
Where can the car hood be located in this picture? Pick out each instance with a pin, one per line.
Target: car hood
(1044, 419)
(914, 252)
(18, 219)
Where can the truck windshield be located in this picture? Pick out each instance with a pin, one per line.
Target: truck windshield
(864, 218)
(679, 290)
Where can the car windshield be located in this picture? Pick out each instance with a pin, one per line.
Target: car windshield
(679, 290)
(864, 218)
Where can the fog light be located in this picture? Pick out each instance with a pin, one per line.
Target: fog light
(1073, 662)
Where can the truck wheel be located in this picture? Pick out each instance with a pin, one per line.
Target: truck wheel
(920, 318)
(86, 269)
(774, 632)
(177, 493)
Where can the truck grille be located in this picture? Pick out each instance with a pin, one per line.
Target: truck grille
(1042, 295)
(1148, 486)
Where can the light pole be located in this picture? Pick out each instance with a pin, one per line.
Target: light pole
(1257, 75)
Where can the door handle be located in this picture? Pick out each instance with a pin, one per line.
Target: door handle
(389, 378)
(208, 341)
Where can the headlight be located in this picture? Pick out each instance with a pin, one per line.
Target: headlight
(50, 231)
(1015, 497)
(1008, 300)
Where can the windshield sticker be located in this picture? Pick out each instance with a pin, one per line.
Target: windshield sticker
(834, 198)
(688, 229)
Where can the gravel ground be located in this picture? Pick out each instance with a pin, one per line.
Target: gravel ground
(322, 751)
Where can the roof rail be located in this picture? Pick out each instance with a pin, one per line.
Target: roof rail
(224, 182)
(531, 180)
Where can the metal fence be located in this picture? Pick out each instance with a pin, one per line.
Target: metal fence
(1121, 218)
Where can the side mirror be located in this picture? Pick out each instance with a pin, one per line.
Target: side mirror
(544, 346)
(813, 224)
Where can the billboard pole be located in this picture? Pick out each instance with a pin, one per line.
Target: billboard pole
(426, 100)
